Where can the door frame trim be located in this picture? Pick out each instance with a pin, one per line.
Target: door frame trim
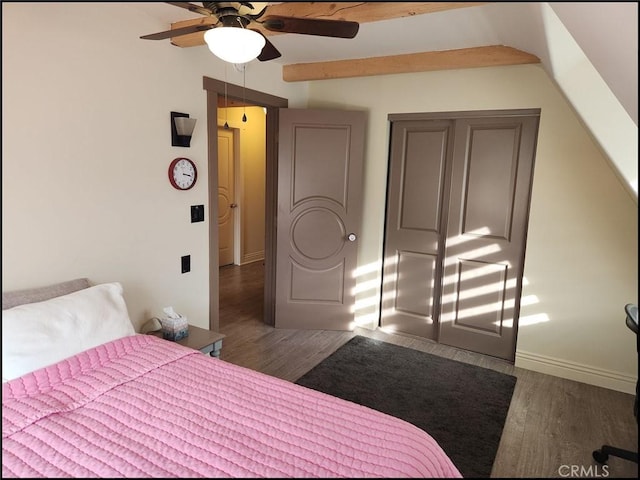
(216, 91)
(522, 112)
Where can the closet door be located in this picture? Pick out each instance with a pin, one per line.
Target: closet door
(455, 235)
(486, 233)
(418, 193)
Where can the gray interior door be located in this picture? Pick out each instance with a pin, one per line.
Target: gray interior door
(417, 193)
(486, 233)
(320, 160)
(457, 216)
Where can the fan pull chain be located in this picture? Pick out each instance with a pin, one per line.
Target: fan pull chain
(226, 124)
(244, 103)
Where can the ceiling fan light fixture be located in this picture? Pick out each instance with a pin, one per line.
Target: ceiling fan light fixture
(234, 44)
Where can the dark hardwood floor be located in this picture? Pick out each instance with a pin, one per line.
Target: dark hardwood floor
(553, 424)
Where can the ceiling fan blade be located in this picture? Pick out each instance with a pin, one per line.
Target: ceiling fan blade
(192, 8)
(176, 32)
(312, 26)
(269, 51)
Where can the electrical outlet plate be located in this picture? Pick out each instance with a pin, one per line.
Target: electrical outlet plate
(186, 263)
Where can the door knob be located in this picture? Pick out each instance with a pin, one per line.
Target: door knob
(352, 237)
(233, 205)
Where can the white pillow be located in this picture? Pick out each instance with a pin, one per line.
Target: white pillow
(36, 335)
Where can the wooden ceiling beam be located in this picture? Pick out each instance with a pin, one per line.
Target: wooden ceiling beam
(490, 56)
(361, 12)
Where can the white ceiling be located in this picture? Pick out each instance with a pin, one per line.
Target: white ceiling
(607, 32)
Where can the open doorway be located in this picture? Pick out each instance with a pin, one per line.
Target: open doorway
(241, 214)
(221, 94)
(241, 184)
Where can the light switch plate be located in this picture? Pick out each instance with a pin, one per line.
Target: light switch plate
(197, 213)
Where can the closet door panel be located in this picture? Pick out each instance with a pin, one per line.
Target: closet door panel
(418, 179)
(486, 233)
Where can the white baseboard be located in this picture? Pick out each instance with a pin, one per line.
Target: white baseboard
(575, 371)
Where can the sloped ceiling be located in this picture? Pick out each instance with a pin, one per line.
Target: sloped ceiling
(608, 35)
(589, 48)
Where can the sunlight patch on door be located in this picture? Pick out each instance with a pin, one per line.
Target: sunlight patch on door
(367, 293)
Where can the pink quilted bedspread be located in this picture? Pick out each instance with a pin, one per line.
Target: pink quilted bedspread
(144, 407)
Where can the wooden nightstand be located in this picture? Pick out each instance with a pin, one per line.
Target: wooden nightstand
(206, 341)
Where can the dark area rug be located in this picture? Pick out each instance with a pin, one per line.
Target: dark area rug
(463, 407)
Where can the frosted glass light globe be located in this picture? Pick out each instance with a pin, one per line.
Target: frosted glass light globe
(234, 44)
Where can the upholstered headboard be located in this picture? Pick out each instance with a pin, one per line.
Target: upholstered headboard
(32, 295)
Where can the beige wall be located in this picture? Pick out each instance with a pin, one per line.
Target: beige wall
(86, 151)
(250, 179)
(581, 257)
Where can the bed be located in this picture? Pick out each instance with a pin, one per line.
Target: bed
(84, 395)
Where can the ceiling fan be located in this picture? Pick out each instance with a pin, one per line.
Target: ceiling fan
(234, 18)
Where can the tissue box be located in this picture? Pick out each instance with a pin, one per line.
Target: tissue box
(174, 328)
